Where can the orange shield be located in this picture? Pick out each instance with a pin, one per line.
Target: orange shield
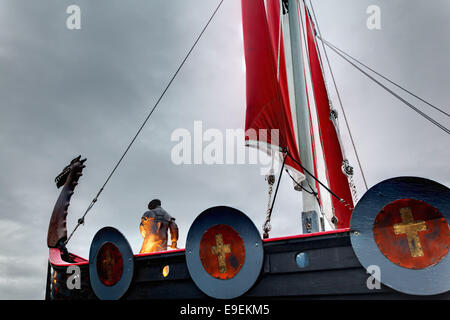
(412, 233)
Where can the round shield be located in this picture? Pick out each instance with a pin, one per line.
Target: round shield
(224, 252)
(401, 226)
(111, 264)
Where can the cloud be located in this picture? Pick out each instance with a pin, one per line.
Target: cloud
(87, 91)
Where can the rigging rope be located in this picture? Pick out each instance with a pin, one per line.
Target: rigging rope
(339, 99)
(345, 203)
(270, 178)
(267, 227)
(311, 192)
(81, 220)
(411, 106)
(316, 195)
(390, 81)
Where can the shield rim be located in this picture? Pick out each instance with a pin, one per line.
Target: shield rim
(116, 291)
(251, 269)
(431, 280)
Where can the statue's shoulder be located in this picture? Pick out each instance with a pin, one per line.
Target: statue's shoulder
(164, 213)
(158, 212)
(148, 214)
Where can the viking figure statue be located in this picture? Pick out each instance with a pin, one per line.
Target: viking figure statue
(154, 227)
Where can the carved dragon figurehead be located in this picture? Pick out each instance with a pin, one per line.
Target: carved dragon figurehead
(68, 179)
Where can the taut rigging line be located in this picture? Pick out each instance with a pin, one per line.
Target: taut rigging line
(339, 98)
(423, 114)
(387, 79)
(81, 220)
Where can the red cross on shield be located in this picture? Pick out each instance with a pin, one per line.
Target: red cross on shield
(411, 233)
(222, 251)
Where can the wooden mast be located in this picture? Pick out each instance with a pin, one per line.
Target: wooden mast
(310, 210)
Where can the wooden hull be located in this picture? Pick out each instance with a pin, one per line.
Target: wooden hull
(333, 272)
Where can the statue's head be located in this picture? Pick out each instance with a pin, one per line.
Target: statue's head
(76, 163)
(154, 203)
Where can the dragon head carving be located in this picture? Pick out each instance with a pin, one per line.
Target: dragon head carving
(68, 178)
(76, 166)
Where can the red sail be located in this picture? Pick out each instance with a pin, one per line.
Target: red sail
(267, 93)
(337, 180)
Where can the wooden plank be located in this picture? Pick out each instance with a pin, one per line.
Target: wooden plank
(318, 259)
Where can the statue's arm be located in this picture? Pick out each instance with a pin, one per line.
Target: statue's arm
(142, 228)
(173, 233)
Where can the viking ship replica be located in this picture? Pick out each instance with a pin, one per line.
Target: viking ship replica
(392, 243)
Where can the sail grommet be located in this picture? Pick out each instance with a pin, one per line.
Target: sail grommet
(226, 252)
(111, 264)
(405, 233)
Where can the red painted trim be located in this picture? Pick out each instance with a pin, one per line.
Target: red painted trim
(81, 259)
(54, 257)
(308, 235)
(157, 253)
(55, 254)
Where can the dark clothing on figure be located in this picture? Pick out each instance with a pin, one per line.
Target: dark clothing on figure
(154, 228)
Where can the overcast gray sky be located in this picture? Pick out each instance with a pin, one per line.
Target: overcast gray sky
(68, 92)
